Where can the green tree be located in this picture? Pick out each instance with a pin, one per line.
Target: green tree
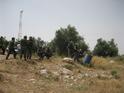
(63, 37)
(37, 42)
(5, 42)
(113, 49)
(106, 48)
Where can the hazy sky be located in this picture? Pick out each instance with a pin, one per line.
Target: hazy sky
(41, 18)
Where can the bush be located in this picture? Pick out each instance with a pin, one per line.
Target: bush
(106, 48)
(114, 74)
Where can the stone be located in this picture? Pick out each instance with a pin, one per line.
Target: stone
(43, 72)
(66, 71)
(67, 59)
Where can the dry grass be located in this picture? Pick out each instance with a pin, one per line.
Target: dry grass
(18, 76)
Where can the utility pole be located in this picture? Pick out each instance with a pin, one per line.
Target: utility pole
(20, 25)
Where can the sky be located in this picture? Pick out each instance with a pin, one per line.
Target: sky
(93, 19)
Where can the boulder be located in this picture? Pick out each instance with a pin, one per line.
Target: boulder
(68, 60)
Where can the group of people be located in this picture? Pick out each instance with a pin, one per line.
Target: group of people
(44, 52)
(24, 48)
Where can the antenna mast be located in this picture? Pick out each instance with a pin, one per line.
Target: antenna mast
(20, 25)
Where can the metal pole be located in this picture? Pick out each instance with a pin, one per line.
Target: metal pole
(20, 25)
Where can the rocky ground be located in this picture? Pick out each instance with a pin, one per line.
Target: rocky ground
(58, 76)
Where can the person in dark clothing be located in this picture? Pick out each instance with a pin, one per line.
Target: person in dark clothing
(29, 48)
(39, 49)
(2, 46)
(76, 55)
(48, 53)
(23, 48)
(41, 52)
(11, 48)
(81, 53)
(44, 52)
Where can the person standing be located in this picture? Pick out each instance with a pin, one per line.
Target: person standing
(23, 51)
(76, 54)
(11, 48)
(29, 48)
(2, 45)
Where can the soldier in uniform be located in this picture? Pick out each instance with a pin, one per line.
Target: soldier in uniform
(2, 45)
(11, 48)
(23, 51)
(41, 52)
(29, 48)
(48, 53)
(76, 54)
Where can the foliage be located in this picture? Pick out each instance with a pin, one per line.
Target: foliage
(114, 73)
(106, 48)
(4, 42)
(37, 43)
(52, 46)
(64, 36)
(119, 58)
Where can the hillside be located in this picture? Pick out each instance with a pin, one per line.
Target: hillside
(56, 76)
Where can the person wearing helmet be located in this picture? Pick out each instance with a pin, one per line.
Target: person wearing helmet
(23, 51)
(11, 48)
(29, 48)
